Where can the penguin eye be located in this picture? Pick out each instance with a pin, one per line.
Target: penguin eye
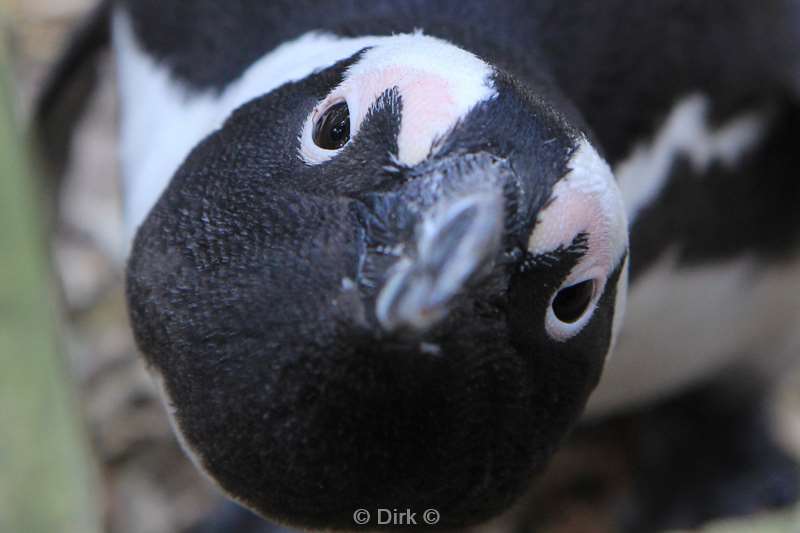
(571, 308)
(332, 130)
(571, 302)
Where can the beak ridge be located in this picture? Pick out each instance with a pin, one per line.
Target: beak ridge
(456, 244)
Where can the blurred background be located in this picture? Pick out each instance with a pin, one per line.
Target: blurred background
(85, 446)
(82, 425)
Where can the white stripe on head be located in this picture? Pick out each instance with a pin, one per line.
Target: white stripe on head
(438, 83)
(620, 306)
(586, 200)
(685, 133)
(162, 120)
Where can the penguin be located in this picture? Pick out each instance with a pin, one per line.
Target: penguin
(385, 253)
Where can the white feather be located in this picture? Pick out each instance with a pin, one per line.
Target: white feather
(684, 325)
(162, 120)
(686, 133)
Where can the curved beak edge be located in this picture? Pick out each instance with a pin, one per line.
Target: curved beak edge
(456, 244)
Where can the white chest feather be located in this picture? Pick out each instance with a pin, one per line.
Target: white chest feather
(684, 324)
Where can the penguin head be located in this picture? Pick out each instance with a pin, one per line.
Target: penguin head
(392, 283)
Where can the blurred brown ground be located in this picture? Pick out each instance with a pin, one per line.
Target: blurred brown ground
(149, 486)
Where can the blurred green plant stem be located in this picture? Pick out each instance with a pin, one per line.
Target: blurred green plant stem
(46, 477)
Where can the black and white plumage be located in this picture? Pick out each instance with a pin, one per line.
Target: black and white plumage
(370, 308)
(379, 323)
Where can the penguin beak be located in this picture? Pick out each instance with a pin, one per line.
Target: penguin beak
(457, 243)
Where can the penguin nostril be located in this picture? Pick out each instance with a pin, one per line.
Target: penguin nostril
(571, 302)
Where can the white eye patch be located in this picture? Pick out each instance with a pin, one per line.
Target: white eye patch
(438, 83)
(586, 200)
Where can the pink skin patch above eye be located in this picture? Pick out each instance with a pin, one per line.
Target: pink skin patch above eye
(586, 200)
(429, 108)
(569, 214)
(438, 84)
